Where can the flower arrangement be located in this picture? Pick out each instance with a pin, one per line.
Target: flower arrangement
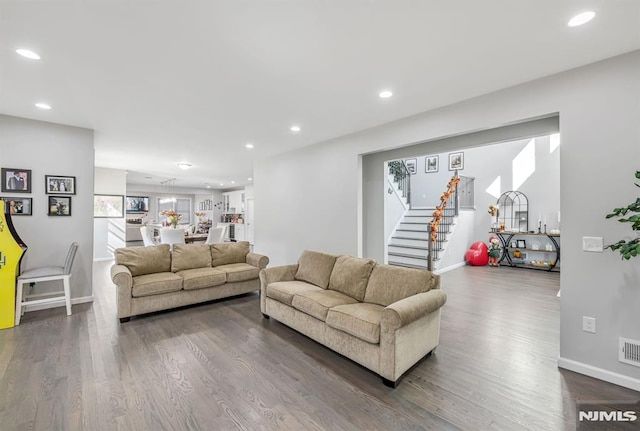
(172, 216)
(444, 199)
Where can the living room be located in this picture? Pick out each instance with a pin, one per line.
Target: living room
(326, 196)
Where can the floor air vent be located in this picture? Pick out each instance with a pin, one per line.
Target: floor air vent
(629, 351)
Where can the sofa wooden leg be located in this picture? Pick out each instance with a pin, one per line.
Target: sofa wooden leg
(390, 383)
(265, 316)
(124, 319)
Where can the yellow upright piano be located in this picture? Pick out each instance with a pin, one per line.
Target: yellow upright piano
(11, 251)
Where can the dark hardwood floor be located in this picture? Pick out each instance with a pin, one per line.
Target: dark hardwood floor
(221, 366)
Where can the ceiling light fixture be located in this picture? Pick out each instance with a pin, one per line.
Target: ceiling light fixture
(249, 146)
(184, 166)
(43, 106)
(250, 179)
(581, 18)
(28, 54)
(385, 94)
(295, 128)
(233, 182)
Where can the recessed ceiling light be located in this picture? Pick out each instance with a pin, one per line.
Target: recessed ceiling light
(222, 184)
(581, 18)
(43, 106)
(184, 166)
(385, 94)
(250, 179)
(28, 54)
(295, 128)
(249, 146)
(208, 186)
(233, 182)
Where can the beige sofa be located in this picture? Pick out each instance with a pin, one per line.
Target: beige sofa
(155, 278)
(383, 317)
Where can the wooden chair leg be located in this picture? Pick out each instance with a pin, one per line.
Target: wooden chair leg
(67, 295)
(18, 302)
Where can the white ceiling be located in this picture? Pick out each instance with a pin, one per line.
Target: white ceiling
(163, 82)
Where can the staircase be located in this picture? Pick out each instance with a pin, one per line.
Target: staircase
(419, 239)
(409, 244)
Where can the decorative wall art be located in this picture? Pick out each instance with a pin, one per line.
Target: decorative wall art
(456, 161)
(108, 206)
(431, 164)
(18, 206)
(16, 180)
(60, 185)
(59, 206)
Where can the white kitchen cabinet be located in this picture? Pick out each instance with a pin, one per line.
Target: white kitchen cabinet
(241, 232)
(233, 202)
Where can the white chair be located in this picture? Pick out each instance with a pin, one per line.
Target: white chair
(35, 275)
(169, 235)
(216, 235)
(147, 236)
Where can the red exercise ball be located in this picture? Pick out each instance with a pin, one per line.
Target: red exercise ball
(478, 254)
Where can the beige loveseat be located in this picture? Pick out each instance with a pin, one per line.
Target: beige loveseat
(383, 317)
(156, 278)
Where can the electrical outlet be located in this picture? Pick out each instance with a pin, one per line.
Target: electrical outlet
(593, 244)
(589, 324)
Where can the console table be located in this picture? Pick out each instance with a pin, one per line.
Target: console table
(507, 259)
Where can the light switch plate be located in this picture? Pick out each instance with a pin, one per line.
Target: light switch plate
(592, 243)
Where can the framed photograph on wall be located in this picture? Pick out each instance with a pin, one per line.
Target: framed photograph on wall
(412, 166)
(456, 161)
(431, 164)
(521, 243)
(18, 206)
(16, 180)
(59, 206)
(60, 185)
(111, 206)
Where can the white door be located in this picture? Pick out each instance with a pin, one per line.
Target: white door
(249, 220)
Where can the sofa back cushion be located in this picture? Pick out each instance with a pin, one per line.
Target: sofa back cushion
(350, 276)
(145, 260)
(190, 256)
(315, 267)
(229, 252)
(388, 284)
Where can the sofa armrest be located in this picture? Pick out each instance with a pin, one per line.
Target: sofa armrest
(123, 279)
(258, 260)
(271, 275)
(407, 310)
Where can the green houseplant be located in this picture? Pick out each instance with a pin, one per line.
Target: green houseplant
(631, 248)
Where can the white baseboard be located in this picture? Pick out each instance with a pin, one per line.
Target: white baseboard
(102, 259)
(60, 303)
(599, 373)
(449, 268)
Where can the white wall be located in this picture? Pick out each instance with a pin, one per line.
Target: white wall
(109, 233)
(310, 198)
(53, 149)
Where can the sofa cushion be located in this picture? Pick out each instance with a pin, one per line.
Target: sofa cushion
(229, 252)
(153, 284)
(350, 276)
(283, 291)
(317, 303)
(199, 278)
(190, 256)
(361, 320)
(239, 272)
(145, 260)
(388, 284)
(315, 267)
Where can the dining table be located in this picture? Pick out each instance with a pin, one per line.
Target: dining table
(196, 237)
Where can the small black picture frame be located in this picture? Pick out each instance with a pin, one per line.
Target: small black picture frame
(18, 206)
(60, 185)
(59, 206)
(521, 243)
(431, 164)
(456, 161)
(16, 180)
(412, 166)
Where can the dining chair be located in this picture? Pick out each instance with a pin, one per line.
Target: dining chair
(216, 235)
(169, 235)
(147, 236)
(48, 273)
